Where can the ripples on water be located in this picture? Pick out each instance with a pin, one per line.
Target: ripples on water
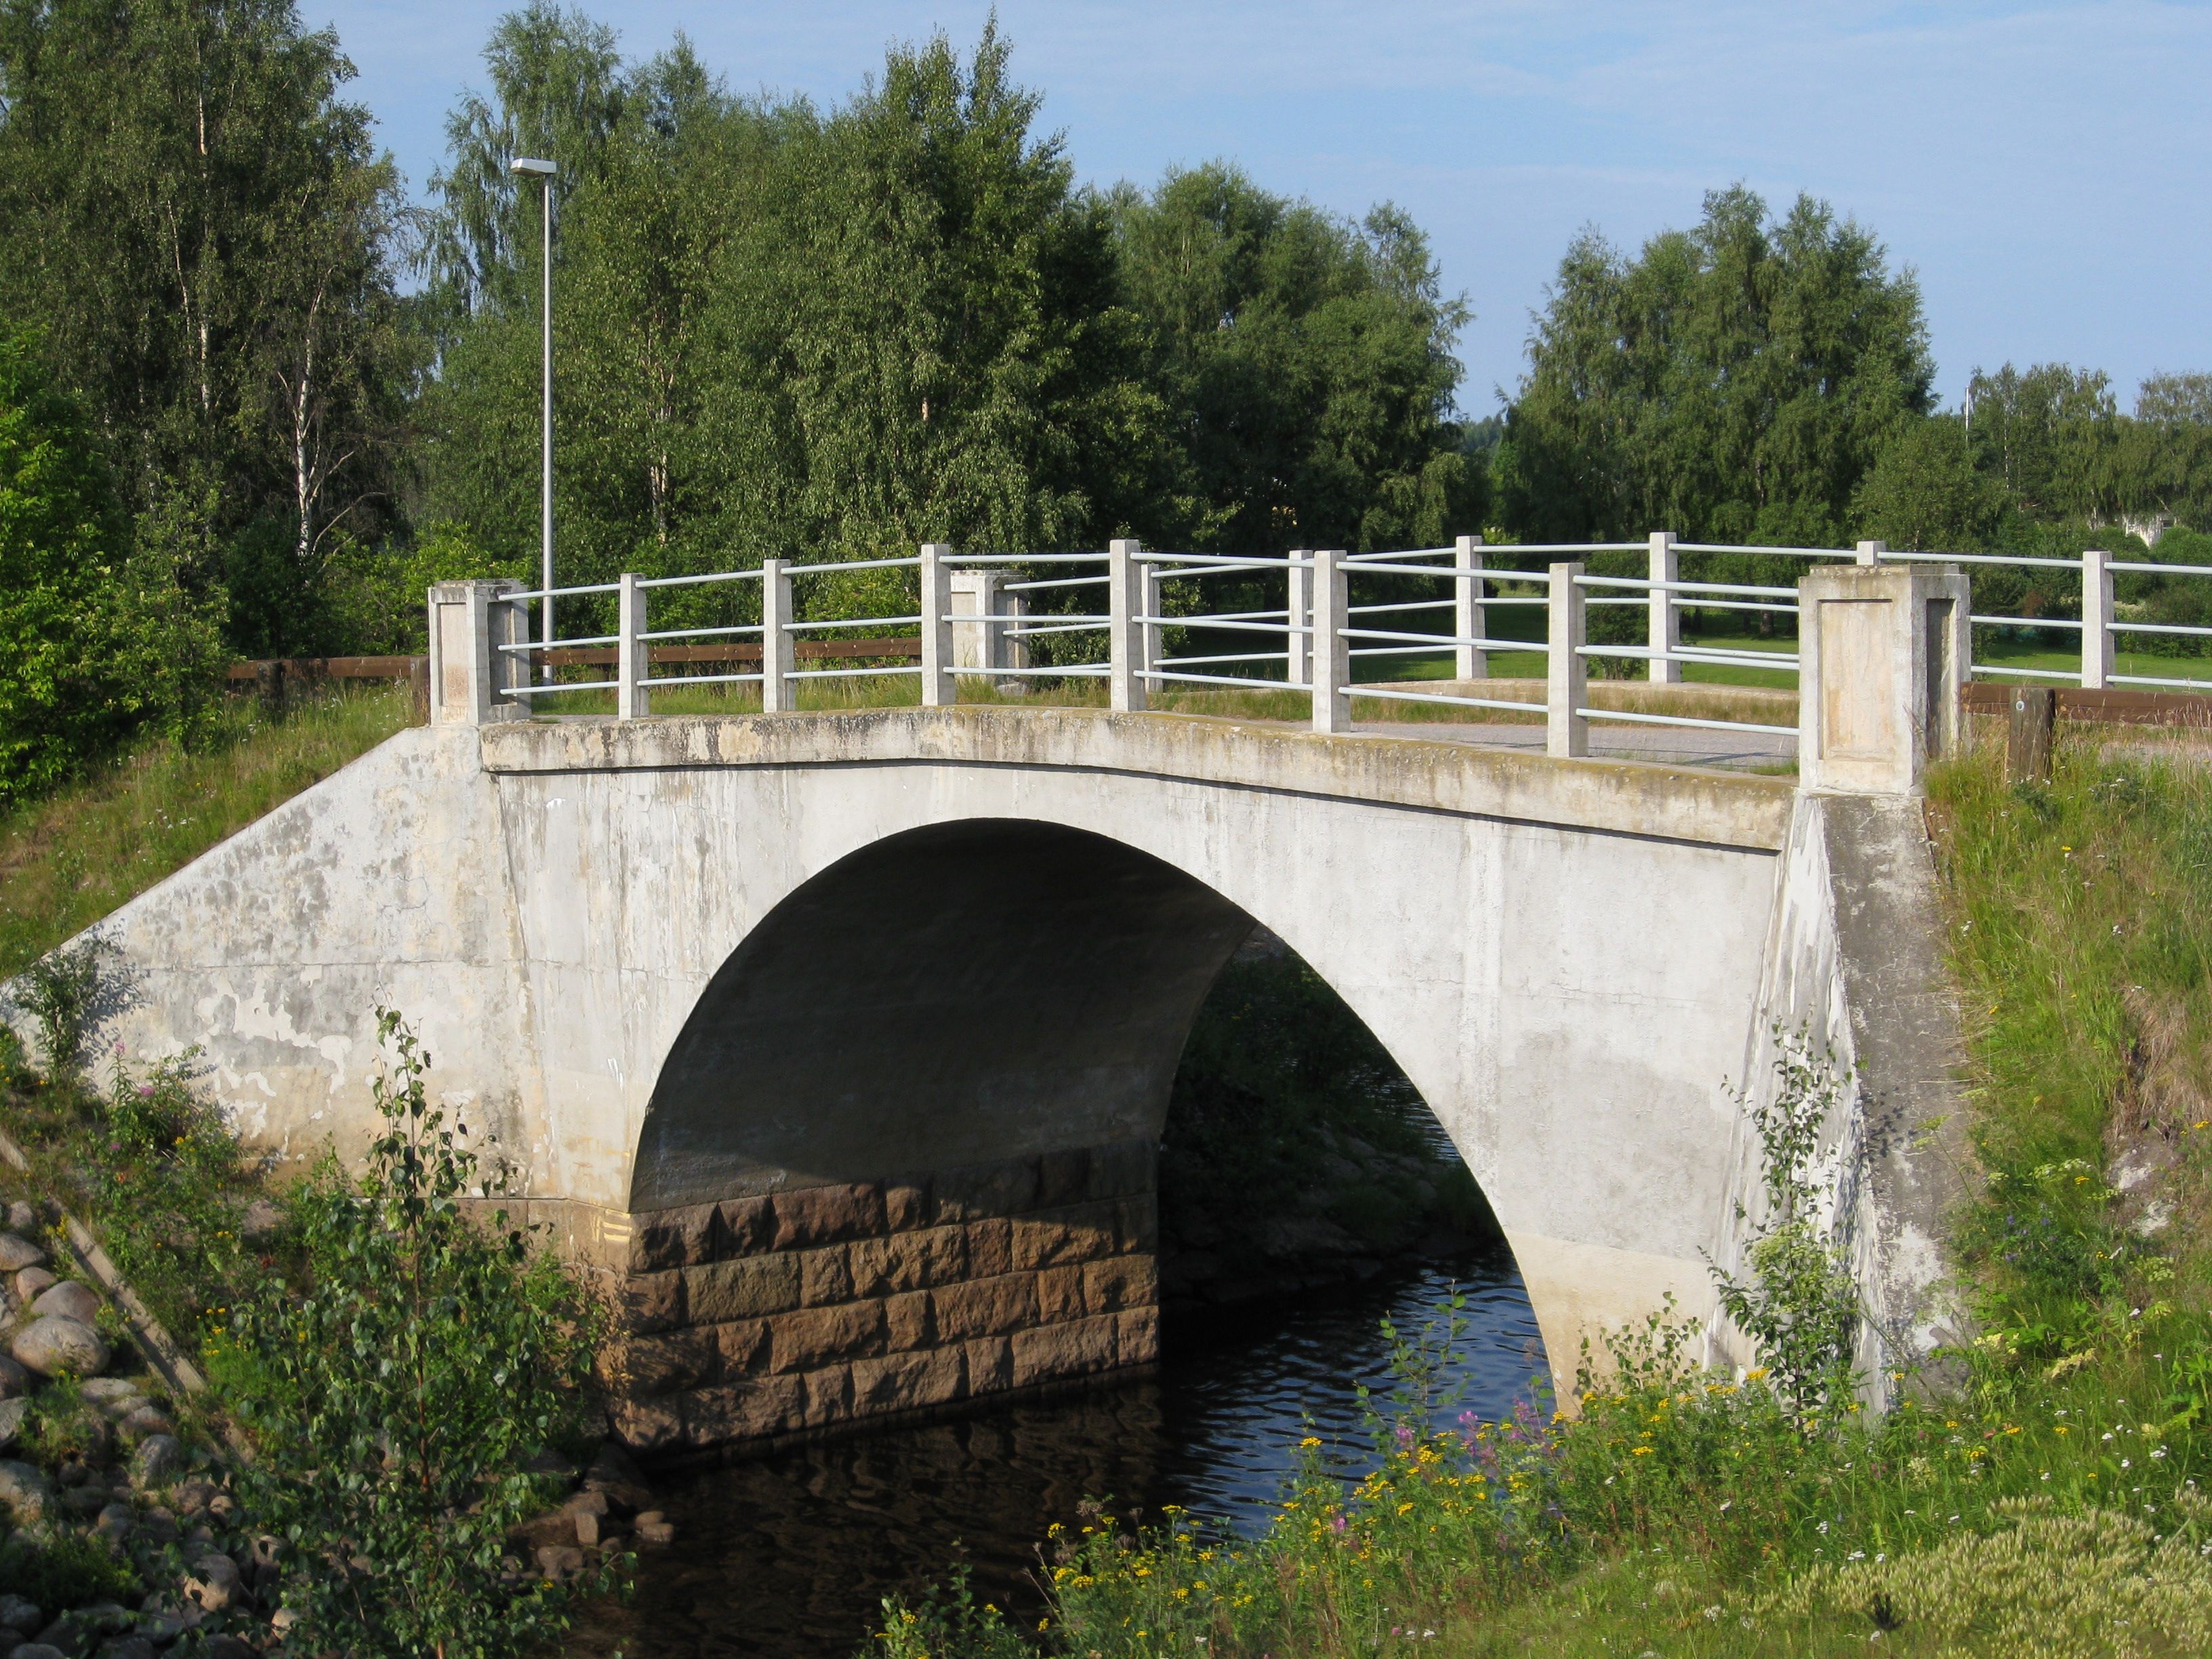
(790, 1556)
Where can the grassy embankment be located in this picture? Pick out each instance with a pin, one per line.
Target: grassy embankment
(2044, 1502)
(70, 858)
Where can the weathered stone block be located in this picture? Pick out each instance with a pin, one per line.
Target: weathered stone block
(1139, 1222)
(813, 1337)
(990, 1248)
(673, 1238)
(906, 1321)
(985, 1307)
(1060, 1294)
(1079, 1232)
(1063, 1178)
(910, 1261)
(824, 1215)
(747, 1224)
(1124, 1168)
(829, 1396)
(648, 1426)
(644, 1367)
(990, 1364)
(979, 1191)
(744, 1346)
(652, 1301)
(825, 1276)
(1136, 1336)
(744, 1411)
(744, 1289)
(1078, 1348)
(1122, 1281)
(906, 1203)
(901, 1382)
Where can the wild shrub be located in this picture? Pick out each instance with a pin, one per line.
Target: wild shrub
(397, 1390)
(1798, 1303)
(60, 1568)
(62, 993)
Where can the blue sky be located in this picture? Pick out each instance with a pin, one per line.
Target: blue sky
(2045, 168)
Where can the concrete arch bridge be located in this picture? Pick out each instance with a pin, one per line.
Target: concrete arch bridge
(843, 1040)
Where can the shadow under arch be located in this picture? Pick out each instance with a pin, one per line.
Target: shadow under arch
(963, 992)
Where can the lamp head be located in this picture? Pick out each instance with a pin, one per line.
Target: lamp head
(532, 166)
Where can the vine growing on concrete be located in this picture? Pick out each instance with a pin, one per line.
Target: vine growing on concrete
(1799, 1301)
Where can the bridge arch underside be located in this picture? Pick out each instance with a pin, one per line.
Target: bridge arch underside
(952, 995)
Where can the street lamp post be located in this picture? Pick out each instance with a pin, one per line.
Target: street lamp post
(530, 167)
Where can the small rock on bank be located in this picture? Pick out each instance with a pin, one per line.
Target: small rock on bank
(52, 1344)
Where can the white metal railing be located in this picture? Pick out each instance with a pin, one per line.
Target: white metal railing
(1347, 624)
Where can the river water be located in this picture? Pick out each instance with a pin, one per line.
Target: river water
(789, 1557)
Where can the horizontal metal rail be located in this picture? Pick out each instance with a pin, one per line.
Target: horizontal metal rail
(1637, 719)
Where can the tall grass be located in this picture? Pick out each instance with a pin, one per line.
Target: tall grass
(68, 859)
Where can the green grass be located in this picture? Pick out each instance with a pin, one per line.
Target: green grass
(2038, 1498)
(71, 858)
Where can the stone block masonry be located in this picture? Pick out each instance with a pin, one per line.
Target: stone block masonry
(808, 1309)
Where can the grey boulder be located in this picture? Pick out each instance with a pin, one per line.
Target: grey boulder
(24, 1491)
(159, 1460)
(67, 1300)
(17, 1253)
(51, 1344)
(12, 1414)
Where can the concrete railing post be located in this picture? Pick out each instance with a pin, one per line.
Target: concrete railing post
(469, 674)
(1332, 652)
(2096, 619)
(1882, 653)
(632, 659)
(1666, 620)
(1297, 600)
(1566, 734)
(775, 637)
(1470, 662)
(939, 687)
(1871, 552)
(1125, 642)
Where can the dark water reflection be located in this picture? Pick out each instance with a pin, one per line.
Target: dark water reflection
(791, 1555)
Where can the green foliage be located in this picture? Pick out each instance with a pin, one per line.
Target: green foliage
(1307, 362)
(61, 992)
(1731, 383)
(396, 1393)
(1277, 1066)
(204, 234)
(1798, 1303)
(96, 638)
(61, 1568)
(1924, 494)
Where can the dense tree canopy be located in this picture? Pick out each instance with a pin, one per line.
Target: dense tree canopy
(201, 233)
(1730, 383)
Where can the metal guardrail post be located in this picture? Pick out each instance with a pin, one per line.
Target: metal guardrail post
(632, 661)
(1666, 620)
(1566, 735)
(1332, 652)
(1297, 600)
(1125, 643)
(775, 636)
(1150, 636)
(469, 674)
(2096, 619)
(939, 687)
(1470, 662)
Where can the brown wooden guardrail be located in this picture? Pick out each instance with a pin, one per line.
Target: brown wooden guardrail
(2113, 706)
